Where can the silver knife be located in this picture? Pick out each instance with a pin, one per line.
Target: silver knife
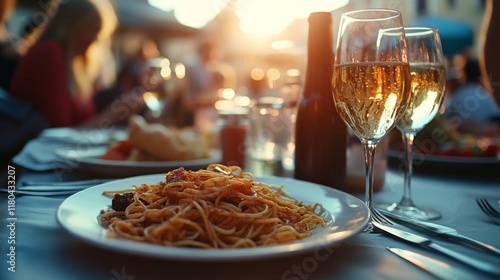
(443, 231)
(39, 193)
(69, 183)
(427, 243)
(435, 267)
(51, 188)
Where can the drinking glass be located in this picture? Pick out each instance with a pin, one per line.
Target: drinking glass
(427, 90)
(371, 80)
(156, 71)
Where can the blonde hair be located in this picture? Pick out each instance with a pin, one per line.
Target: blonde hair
(6, 8)
(73, 18)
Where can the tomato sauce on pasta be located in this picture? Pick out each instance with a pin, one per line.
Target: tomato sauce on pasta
(217, 207)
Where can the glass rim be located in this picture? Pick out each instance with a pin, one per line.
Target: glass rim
(392, 14)
(420, 30)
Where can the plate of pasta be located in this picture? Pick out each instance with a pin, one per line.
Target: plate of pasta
(213, 214)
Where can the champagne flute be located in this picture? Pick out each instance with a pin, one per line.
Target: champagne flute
(428, 80)
(371, 80)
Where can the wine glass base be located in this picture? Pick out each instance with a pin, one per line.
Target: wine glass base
(411, 211)
(370, 228)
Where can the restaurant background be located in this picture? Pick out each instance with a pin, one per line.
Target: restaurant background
(248, 65)
(256, 48)
(248, 41)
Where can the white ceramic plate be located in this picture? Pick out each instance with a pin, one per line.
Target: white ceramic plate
(88, 157)
(347, 215)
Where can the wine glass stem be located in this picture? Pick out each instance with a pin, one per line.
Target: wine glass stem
(408, 138)
(369, 148)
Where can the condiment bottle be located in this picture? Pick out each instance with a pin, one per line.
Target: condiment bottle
(320, 133)
(232, 135)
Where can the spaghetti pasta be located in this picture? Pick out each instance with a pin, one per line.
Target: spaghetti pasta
(217, 207)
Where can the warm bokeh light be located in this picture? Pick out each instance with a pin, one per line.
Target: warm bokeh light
(180, 70)
(282, 44)
(242, 101)
(224, 105)
(263, 17)
(166, 73)
(153, 102)
(293, 72)
(273, 76)
(197, 13)
(158, 62)
(165, 5)
(205, 11)
(303, 8)
(257, 74)
(227, 93)
(260, 17)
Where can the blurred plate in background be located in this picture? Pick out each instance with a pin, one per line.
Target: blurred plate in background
(448, 165)
(89, 158)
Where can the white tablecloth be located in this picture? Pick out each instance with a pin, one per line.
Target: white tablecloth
(43, 250)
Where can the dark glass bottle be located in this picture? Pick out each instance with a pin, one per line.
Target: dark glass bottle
(320, 135)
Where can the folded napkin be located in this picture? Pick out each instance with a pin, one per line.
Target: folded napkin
(40, 154)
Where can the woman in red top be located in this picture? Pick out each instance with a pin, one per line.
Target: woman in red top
(59, 73)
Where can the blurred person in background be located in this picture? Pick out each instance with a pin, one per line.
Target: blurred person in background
(470, 107)
(206, 75)
(199, 73)
(20, 120)
(72, 58)
(132, 71)
(14, 46)
(130, 75)
(206, 72)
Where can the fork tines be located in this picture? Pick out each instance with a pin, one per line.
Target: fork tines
(380, 218)
(488, 209)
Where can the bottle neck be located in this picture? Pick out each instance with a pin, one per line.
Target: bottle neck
(319, 52)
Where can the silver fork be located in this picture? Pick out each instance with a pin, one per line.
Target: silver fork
(388, 226)
(489, 210)
(381, 218)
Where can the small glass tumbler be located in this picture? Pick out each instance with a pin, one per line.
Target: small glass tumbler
(270, 143)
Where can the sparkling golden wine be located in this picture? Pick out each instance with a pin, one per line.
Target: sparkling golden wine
(371, 97)
(427, 91)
